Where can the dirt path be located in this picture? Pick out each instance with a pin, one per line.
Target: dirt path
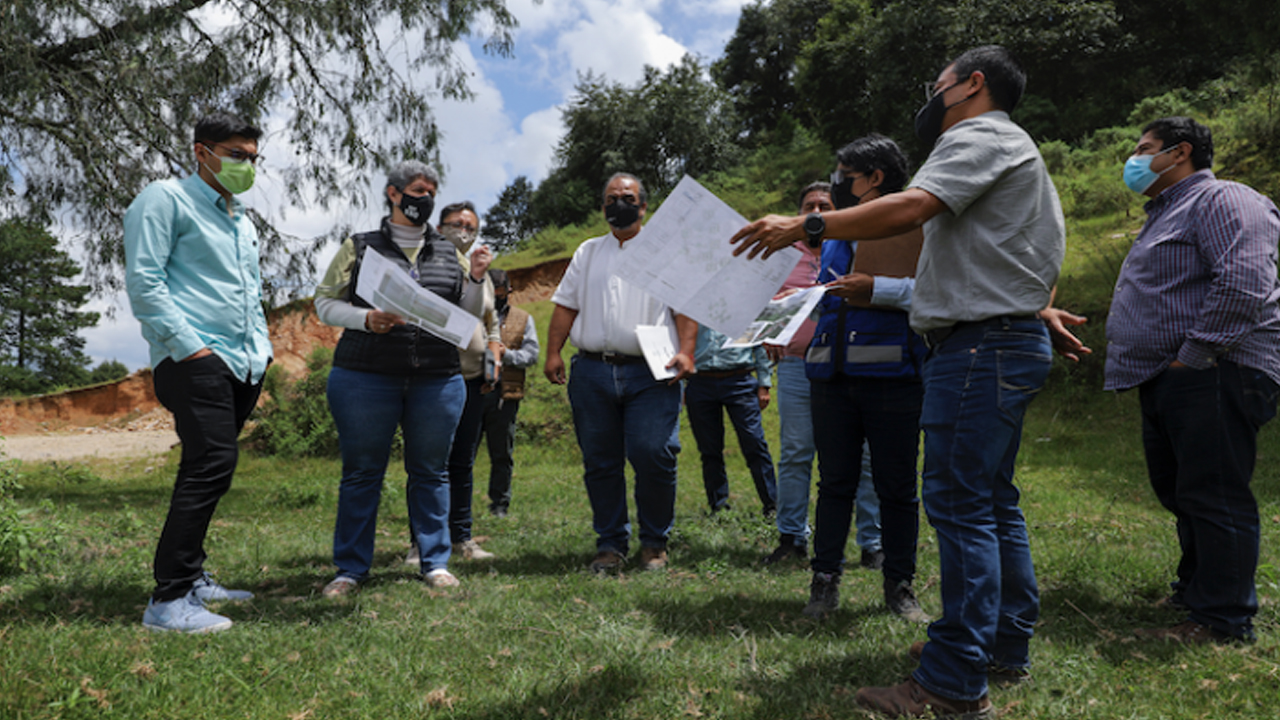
(87, 444)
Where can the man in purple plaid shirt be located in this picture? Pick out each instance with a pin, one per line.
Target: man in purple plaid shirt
(1195, 326)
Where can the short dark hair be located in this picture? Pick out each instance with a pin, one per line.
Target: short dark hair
(1177, 130)
(457, 207)
(877, 152)
(818, 186)
(500, 278)
(644, 194)
(219, 126)
(1004, 74)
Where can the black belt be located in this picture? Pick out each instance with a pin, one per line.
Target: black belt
(933, 338)
(611, 358)
(720, 374)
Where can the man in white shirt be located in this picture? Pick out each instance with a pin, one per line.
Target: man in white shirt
(620, 412)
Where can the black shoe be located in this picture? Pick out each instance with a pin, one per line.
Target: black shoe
(722, 507)
(770, 511)
(790, 548)
(1173, 602)
(901, 599)
(498, 511)
(872, 559)
(824, 596)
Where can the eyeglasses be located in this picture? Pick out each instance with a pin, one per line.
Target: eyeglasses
(461, 225)
(931, 90)
(235, 153)
(838, 176)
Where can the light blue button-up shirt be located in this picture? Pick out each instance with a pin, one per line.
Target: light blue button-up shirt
(192, 275)
(710, 355)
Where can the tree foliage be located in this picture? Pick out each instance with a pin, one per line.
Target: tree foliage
(509, 222)
(98, 98)
(40, 348)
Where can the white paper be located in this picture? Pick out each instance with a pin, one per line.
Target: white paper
(655, 343)
(386, 286)
(780, 319)
(684, 259)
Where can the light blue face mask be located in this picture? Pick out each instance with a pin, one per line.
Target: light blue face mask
(1138, 174)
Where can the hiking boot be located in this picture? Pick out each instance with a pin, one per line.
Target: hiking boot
(440, 578)
(339, 586)
(471, 550)
(909, 699)
(901, 599)
(790, 548)
(607, 561)
(872, 559)
(1189, 632)
(187, 614)
(652, 558)
(1000, 675)
(208, 590)
(824, 596)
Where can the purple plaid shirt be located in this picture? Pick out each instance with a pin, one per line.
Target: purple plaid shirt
(1199, 284)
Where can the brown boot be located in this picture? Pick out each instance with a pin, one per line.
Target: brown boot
(996, 674)
(652, 558)
(911, 700)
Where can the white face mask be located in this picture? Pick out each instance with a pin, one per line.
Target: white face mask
(461, 239)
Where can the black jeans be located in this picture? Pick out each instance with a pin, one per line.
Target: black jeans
(500, 437)
(1200, 434)
(209, 408)
(462, 458)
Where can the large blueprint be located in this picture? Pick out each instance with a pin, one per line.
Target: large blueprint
(387, 287)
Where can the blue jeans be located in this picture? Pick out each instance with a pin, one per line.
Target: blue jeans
(795, 462)
(707, 399)
(978, 383)
(849, 415)
(1200, 434)
(621, 414)
(367, 408)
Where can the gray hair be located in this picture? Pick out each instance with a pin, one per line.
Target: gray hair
(409, 170)
(644, 194)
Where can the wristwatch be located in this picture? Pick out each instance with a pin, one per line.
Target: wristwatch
(814, 227)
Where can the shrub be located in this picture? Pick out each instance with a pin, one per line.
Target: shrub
(295, 421)
(24, 539)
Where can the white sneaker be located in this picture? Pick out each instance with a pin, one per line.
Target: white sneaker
(414, 557)
(471, 550)
(440, 578)
(339, 586)
(186, 614)
(208, 590)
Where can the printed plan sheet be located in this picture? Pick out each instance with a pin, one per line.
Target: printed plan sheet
(683, 258)
(780, 319)
(386, 286)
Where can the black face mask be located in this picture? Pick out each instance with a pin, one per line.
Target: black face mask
(842, 194)
(500, 303)
(417, 209)
(621, 214)
(929, 117)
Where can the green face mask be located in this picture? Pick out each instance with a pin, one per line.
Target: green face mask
(236, 176)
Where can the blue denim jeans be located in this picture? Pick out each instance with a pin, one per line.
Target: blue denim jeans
(621, 414)
(367, 408)
(1200, 434)
(850, 414)
(978, 383)
(707, 399)
(795, 461)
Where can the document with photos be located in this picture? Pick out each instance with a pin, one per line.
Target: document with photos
(780, 319)
(386, 286)
(658, 348)
(684, 259)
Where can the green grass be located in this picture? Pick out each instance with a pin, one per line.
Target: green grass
(534, 635)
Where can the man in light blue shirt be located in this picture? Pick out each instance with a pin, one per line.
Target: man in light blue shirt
(736, 380)
(191, 258)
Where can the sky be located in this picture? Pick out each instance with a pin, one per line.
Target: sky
(511, 126)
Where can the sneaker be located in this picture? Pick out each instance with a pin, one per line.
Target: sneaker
(824, 596)
(722, 507)
(872, 559)
(652, 558)
(769, 512)
(186, 614)
(414, 558)
(208, 590)
(471, 550)
(999, 675)
(339, 586)
(498, 511)
(1189, 632)
(909, 699)
(901, 599)
(790, 548)
(606, 561)
(440, 578)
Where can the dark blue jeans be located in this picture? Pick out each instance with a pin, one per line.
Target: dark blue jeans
(462, 459)
(209, 407)
(499, 429)
(978, 383)
(1200, 434)
(886, 414)
(621, 414)
(707, 399)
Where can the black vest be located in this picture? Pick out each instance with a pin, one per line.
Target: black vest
(406, 349)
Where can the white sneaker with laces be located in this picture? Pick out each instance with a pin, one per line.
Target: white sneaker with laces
(187, 614)
(208, 590)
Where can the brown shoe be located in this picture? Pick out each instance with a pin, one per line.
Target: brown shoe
(607, 561)
(911, 700)
(996, 674)
(653, 558)
(1189, 632)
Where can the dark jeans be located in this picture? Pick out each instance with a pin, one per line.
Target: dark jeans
(209, 407)
(499, 429)
(1200, 432)
(462, 457)
(706, 400)
(886, 414)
